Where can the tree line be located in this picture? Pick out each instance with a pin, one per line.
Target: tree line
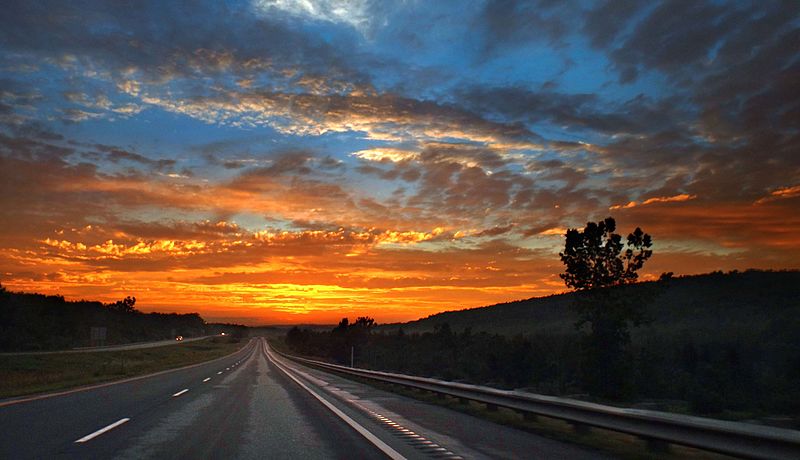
(32, 322)
(723, 375)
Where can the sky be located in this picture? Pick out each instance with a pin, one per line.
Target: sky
(298, 161)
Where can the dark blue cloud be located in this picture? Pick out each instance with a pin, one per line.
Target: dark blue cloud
(669, 97)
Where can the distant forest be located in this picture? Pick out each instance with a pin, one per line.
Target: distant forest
(720, 344)
(37, 322)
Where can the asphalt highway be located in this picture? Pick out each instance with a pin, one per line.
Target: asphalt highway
(253, 405)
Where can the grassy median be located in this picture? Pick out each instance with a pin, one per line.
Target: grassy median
(29, 374)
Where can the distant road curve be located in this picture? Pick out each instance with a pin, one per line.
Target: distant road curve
(127, 346)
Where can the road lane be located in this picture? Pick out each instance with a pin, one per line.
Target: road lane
(250, 411)
(350, 421)
(432, 429)
(122, 347)
(286, 422)
(43, 427)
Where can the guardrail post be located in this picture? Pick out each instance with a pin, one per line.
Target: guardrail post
(656, 445)
(580, 428)
(491, 407)
(528, 416)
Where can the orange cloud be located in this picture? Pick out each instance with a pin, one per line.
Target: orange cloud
(630, 204)
(389, 154)
(109, 249)
(669, 199)
(660, 199)
(555, 231)
(303, 284)
(781, 193)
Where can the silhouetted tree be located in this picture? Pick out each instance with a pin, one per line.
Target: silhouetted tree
(125, 305)
(349, 335)
(594, 256)
(596, 266)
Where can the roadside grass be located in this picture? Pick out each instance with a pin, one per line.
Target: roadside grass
(29, 374)
(618, 444)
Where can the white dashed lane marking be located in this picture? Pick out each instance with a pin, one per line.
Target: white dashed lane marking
(97, 433)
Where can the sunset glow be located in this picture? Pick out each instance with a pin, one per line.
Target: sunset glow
(289, 161)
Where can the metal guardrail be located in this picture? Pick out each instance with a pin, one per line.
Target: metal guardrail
(731, 438)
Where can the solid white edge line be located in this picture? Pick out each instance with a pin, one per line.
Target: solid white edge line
(102, 430)
(180, 392)
(385, 448)
(206, 379)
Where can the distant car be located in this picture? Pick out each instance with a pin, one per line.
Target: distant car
(222, 333)
(179, 338)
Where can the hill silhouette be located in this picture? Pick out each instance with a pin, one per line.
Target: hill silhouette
(699, 305)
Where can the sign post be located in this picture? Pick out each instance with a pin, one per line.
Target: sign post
(97, 336)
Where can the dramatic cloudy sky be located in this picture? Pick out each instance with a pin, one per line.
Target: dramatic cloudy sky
(302, 160)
